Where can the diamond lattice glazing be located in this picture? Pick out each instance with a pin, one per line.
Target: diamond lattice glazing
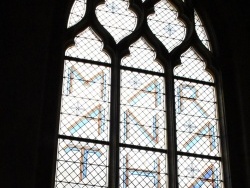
(192, 66)
(85, 101)
(142, 56)
(77, 12)
(200, 30)
(88, 46)
(81, 164)
(116, 18)
(196, 118)
(140, 169)
(142, 110)
(85, 105)
(199, 173)
(165, 25)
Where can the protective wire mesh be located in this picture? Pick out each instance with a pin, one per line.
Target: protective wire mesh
(199, 173)
(140, 169)
(196, 118)
(85, 101)
(81, 164)
(77, 12)
(192, 66)
(116, 18)
(142, 110)
(142, 56)
(165, 25)
(88, 46)
(200, 30)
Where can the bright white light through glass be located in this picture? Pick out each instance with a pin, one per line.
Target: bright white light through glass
(192, 66)
(145, 91)
(88, 46)
(142, 56)
(165, 25)
(115, 16)
(77, 12)
(200, 30)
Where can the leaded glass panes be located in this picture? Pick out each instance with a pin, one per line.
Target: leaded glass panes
(77, 12)
(142, 120)
(196, 118)
(81, 164)
(200, 30)
(141, 168)
(197, 124)
(192, 66)
(165, 25)
(85, 107)
(85, 101)
(196, 172)
(142, 56)
(125, 112)
(142, 110)
(88, 46)
(115, 16)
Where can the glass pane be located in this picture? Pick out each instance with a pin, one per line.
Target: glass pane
(116, 18)
(88, 46)
(199, 173)
(140, 169)
(77, 12)
(196, 118)
(142, 56)
(200, 30)
(165, 25)
(142, 110)
(192, 66)
(85, 101)
(81, 164)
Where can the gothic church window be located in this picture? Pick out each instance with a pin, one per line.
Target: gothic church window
(139, 105)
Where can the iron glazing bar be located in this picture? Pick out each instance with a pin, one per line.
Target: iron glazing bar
(82, 139)
(195, 81)
(143, 148)
(142, 71)
(87, 61)
(187, 98)
(198, 116)
(81, 184)
(198, 155)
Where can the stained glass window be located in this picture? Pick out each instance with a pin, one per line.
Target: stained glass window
(139, 105)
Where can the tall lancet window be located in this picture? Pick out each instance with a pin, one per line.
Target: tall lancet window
(141, 105)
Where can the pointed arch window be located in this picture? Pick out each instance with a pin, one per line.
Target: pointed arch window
(141, 104)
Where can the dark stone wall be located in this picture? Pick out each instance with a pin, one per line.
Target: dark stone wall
(231, 21)
(30, 66)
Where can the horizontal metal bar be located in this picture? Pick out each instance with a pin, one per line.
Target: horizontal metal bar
(198, 155)
(142, 71)
(82, 139)
(192, 99)
(193, 80)
(207, 118)
(143, 148)
(87, 61)
(77, 162)
(84, 98)
(81, 184)
(143, 108)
